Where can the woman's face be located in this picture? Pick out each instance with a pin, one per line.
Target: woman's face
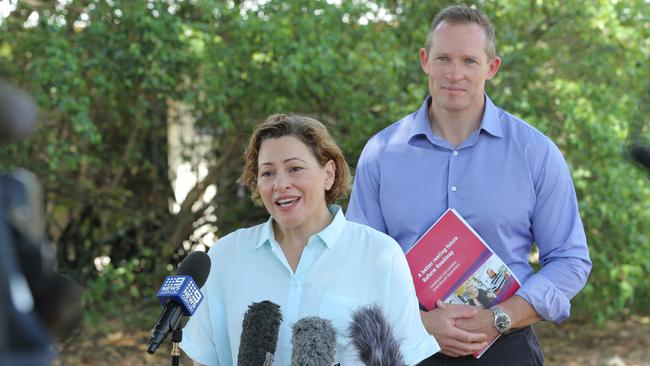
(473, 291)
(292, 184)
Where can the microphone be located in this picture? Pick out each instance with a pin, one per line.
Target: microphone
(259, 337)
(180, 294)
(641, 155)
(373, 338)
(17, 114)
(313, 342)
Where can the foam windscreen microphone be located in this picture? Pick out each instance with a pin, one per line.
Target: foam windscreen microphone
(259, 337)
(180, 295)
(641, 155)
(373, 338)
(17, 114)
(314, 342)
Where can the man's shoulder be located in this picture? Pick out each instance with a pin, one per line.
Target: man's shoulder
(397, 132)
(522, 131)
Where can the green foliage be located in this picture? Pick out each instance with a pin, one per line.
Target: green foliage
(105, 74)
(115, 289)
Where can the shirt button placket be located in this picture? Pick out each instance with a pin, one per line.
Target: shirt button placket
(293, 310)
(452, 178)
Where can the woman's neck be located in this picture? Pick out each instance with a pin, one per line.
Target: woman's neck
(294, 240)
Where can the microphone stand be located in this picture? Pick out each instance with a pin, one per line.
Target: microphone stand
(177, 337)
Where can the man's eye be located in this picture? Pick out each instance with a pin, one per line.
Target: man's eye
(470, 61)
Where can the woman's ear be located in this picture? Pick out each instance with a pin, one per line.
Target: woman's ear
(330, 174)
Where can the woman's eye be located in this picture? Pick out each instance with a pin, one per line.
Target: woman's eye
(295, 169)
(266, 174)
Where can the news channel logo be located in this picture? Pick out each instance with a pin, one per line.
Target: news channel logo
(172, 285)
(191, 296)
(181, 289)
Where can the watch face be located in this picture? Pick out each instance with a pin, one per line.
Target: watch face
(502, 322)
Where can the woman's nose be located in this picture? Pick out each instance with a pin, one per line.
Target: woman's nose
(281, 183)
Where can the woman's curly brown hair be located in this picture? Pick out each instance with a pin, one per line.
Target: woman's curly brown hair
(310, 132)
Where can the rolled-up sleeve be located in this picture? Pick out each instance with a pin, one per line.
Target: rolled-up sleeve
(560, 237)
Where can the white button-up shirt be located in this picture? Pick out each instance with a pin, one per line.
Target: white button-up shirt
(342, 268)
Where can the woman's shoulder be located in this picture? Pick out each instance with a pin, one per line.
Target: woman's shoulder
(365, 235)
(242, 238)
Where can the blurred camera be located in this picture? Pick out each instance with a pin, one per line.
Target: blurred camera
(37, 305)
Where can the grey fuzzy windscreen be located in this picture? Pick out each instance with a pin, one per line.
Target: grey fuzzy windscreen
(373, 338)
(314, 342)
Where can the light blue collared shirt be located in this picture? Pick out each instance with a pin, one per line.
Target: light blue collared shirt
(343, 267)
(508, 180)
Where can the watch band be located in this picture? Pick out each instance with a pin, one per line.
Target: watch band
(501, 319)
(496, 310)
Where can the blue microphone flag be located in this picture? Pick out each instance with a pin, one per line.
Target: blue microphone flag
(183, 290)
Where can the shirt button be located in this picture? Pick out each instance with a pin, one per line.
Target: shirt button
(453, 188)
(455, 153)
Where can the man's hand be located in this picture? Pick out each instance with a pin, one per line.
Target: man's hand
(453, 340)
(482, 322)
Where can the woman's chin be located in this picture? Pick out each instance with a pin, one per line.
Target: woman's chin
(287, 221)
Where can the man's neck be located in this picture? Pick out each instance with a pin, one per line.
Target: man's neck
(455, 127)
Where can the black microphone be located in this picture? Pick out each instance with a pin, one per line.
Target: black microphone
(373, 338)
(180, 295)
(313, 342)
(17, 114)
(259, 337)
(641, 155)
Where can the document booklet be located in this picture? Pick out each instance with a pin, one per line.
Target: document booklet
(453, 263)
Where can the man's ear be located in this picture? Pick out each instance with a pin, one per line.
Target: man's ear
(493, 67)
(424, 60)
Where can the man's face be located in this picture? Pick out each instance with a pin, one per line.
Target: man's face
(458, 66)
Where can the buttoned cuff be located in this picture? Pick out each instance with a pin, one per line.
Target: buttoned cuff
(547, 300)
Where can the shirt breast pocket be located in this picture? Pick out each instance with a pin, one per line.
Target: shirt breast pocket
(338, 309)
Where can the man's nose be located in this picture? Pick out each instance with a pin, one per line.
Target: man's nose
(455, 71)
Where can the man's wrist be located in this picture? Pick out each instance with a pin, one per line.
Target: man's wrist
(502, 322)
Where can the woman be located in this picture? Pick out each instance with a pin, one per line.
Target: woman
(479, 297)
(307, 257)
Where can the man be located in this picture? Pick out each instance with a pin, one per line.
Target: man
(497, 280)
(508, 180)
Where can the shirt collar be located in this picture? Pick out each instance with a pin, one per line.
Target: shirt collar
(422, 126)
(491, 122)
(329, 235)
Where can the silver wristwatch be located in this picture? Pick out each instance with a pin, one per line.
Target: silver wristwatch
(501, 319)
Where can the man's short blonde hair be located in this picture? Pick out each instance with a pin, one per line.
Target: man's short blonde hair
(461, 14)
